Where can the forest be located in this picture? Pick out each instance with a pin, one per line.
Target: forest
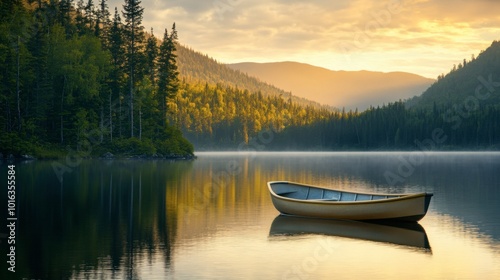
(75, 77)
(215, 117)
(394, 127)
(468, 121)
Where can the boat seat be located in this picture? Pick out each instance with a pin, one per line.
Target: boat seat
(325, 199)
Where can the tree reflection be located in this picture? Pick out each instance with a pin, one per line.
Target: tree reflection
(90, 224)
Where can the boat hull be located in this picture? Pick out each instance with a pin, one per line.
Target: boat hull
(411, 207)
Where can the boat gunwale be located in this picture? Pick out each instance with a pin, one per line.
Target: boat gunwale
(336, 202)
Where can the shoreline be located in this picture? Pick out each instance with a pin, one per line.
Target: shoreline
(27, 157)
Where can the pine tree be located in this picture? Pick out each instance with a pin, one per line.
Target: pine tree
(151, 57)
(134, 34)
(117, 50)
(102, 22)
(80, 18)
(168, 75)
(64, 16)
(173, 86)
(90, 15)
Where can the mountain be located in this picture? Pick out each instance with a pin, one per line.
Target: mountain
(221, 108)
(468, 84)
(196, 67)
(459, 111)
(349, 89)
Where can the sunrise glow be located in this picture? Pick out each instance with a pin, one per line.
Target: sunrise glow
(424, 37)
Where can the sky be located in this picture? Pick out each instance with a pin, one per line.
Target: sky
(424, 37)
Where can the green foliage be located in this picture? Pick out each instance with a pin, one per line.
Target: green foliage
(12, 143)
(134, 146)
(17, 145)
(174, 143)
(216, 116)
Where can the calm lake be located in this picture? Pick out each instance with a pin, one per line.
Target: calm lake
(212, 218)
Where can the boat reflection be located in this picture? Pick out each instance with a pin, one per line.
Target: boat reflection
(399, 233)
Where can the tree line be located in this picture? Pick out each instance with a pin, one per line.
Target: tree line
(222, 117)
(394, 127)
(68, 69)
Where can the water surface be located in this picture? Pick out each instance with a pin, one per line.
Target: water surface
(212, 218)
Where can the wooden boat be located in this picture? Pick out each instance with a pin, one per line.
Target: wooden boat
(396, 233)
(310, 201)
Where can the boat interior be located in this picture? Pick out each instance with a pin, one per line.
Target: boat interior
(312, 193)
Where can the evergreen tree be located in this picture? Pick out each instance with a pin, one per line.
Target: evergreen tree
(173, 85)
(168, 75)
(14, 59)
(90, 15)
(134, 34)
(64, 17)
(80, 18)
(117, 51)
(151, 57)
(102, 22)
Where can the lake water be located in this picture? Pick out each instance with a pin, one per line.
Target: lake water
(212, 218)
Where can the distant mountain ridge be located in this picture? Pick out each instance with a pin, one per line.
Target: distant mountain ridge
(349, 89)
(197, 67)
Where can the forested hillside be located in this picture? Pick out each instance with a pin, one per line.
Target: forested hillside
(477, 79)
(195, 67)
(223, 117)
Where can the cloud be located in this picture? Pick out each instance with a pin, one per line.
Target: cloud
(333, 34)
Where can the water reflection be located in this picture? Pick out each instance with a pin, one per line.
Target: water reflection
(102, 219)
(465, 184)
(407, 234)
(211, 218)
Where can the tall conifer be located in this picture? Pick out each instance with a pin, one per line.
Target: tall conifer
(134, 34)
(102, 22)
(151, 57)
(168, 75)
(117, 50)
